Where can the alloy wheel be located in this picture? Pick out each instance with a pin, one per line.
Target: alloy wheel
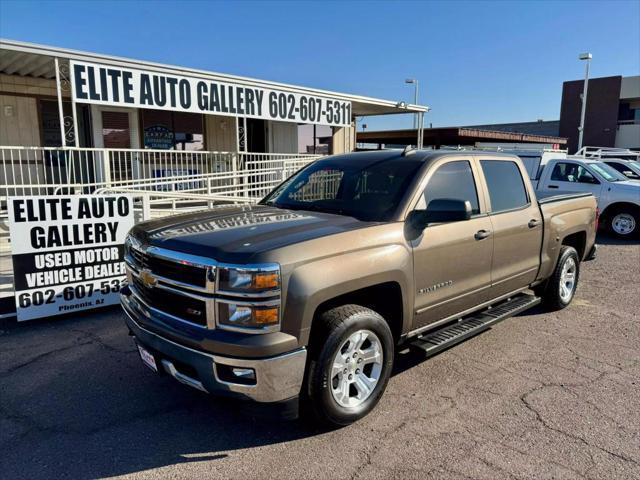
(568, 280)
(356, 368)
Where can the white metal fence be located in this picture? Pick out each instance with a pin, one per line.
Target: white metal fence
(52, 171)
(161, 181)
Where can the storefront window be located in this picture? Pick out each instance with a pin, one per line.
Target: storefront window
(164, 130)
(314, 139)
(115, 129)
(51, 135)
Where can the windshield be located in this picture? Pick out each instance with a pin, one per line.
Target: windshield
(610, 174)
(367, 191)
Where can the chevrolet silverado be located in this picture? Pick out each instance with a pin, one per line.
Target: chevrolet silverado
(302, 299)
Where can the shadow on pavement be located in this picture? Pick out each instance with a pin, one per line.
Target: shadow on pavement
(604, 238)
(76, 402)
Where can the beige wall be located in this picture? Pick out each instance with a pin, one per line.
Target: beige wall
(28, 85)
(220, 133)
(630, 87)
(344, 140)
(19, 125)
(19, 120)
(628, 136)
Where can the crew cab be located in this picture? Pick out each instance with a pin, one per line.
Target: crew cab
(306, 296)
(618, 197)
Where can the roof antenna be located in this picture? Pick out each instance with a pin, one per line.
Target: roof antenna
(407, 150)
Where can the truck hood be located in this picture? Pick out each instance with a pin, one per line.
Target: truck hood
(627, 186)
(233, 233)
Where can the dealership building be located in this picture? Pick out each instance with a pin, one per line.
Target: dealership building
(172, 138)
(52, 97)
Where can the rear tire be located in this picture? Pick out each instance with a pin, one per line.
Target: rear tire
(558, 291)
(624, 222)
(350, 364)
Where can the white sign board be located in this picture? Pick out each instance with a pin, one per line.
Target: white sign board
(67, 252)
(130, 87)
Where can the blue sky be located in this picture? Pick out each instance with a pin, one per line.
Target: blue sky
(477, 62)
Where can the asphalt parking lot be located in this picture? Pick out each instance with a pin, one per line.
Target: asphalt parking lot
(541, 395)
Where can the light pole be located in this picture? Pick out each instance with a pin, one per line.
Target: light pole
(364, 127)
(414, 81)
(587, 57)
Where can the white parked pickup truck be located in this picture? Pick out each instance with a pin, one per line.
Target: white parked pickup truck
(618, 197)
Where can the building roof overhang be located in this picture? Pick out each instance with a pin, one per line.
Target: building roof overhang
(28, 59)
(454, 136)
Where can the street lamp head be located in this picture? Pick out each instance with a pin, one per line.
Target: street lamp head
(585, 56)
(401, 104)
(410, 80)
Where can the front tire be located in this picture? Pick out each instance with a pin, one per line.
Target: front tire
(624, 222)
(350, 364)
(558, 291)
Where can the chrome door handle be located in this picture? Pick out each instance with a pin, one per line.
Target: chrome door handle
(482, 234)
(534, 222)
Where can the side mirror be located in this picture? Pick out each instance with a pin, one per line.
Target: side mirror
(440, 210)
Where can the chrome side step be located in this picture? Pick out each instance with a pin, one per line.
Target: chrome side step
(435, 342)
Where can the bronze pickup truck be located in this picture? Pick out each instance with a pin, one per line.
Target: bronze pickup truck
(306, 295)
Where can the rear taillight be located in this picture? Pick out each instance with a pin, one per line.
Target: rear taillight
(597, 218)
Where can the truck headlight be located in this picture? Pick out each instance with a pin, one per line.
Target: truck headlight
(259, 279)
(248, 317)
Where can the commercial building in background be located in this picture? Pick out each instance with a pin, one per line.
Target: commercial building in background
(548, 128)
(612, 117)
(454, 137)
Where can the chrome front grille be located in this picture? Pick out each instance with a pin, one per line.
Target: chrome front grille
(185, 287)
(171, 267)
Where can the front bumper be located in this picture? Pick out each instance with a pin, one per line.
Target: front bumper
(275, 379)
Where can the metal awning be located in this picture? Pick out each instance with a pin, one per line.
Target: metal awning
(27, 59)
(454, 136)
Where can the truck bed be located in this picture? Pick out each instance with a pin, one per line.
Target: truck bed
(550, 197)
(565, 214)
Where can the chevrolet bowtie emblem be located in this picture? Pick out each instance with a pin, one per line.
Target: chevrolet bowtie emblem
(147, 279)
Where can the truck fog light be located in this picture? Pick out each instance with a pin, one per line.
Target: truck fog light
(237, 375)
(247, 373)
(248, 316)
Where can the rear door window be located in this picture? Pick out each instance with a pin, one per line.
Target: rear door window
(506, 187)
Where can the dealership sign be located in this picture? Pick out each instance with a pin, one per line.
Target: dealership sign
(67, 252)
(129, 87)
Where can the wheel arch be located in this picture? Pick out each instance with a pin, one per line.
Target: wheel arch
(577, 240)
(383, 298)
(612, 207)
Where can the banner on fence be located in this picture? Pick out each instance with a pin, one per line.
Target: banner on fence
(67, 252)
(131, 87)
